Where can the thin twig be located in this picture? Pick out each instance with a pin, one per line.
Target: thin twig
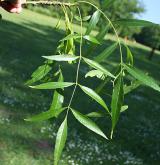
(49, 3)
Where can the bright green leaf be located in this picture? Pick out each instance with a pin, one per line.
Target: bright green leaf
(90, 92)
(97, 66)
(142, 77)
(124, 108)
(61, 57)
(129, 56)
(95, 114)
(71, 36)
(60, 141)
(84, 120)
(44, 116)
(106, 53)
(53, 85)
(95, 73)
(91, 39)
(93, 22)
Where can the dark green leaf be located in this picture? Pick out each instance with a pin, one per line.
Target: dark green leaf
(61, 57)
(98, 67)
(95, 96)
(106, 53)
(84, 120)
(58, 100)
(39, 73)
(133, 22)
(53, 85)
(142, 77)
(91, 39)
(44, 116)
(93, 22)
(117, 101)
(101, 35)
(60, 141)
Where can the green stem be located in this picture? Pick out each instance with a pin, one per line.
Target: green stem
(110, 22)
(79, 63)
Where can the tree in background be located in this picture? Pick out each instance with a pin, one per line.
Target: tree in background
(150, 36)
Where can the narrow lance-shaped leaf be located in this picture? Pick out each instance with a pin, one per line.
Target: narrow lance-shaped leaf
(117, 101)
(95, 73)
(106, 53)
(84, 120)
(58, 99)
(53, 85)
(142, 77)
(93, 22)
(44, 116)
(124, 108)
(91, 39)
(71, 36)
(129, 56)
(133, 22)
(60, 141)
(133, 86)
(90, 92)
(95, 114)
(39, 73)
(66, 57)
(98, 67)
(102, 33)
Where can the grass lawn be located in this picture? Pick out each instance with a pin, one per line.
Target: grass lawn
(24, 39)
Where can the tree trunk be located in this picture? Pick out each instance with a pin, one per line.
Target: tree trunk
(151, 54)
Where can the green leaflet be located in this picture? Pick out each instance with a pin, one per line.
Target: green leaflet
(106, 53)
(91, 39)
(95, 73)
(142, 77)
(101, 35)
(124, 108)
(93, 22)
(53, 85)
(130, 88)
(129, 56)
(39, 73)
(86, 18)
(66, 57)
(97, 66)
(44, 116)
(117, 101)
(84, 120)
(71, 36)
(58, 99)
(60, 141)
(133, 22)
(90, 92)
(95, 114)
